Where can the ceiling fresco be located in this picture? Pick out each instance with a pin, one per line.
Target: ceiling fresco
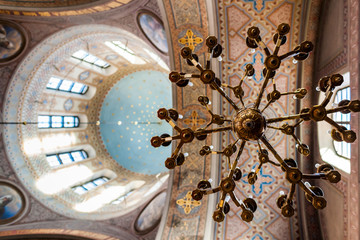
(267, 15)
(128, 114)
(44, 3)
(27, 145)
(58, 8)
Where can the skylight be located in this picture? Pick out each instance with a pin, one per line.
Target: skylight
(66, 158)
(46, 121)
(91, 59)
(125, 52)
(65, 85)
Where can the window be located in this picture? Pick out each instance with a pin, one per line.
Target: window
(81, 189)
(89, 58)
(342, 148)
(45, 121)
(125, 52)
(56, 83)
(122, 198)
(66, 158)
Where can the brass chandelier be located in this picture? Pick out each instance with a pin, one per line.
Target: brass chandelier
(249, 124)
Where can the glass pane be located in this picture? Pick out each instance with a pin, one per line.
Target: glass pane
(81, 54)
(56, 121)
(76, 121)
(79, 190)
(85, 89)
(53, 160)
(77, 156)
(65, 158)
(77, 88)
(54, 83)
(90, 58)
(69, 122)
(66, 85)
(90, 185)
(43, 121)
(100, 181)
(101, 63)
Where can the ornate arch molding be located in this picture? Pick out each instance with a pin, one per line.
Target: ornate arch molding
(182, 18)
(56, 234)
(31, 75)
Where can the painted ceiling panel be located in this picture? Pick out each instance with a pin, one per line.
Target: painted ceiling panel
(268, 222)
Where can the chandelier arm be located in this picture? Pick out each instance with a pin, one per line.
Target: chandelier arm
(213, 190)
(222, 200)
(298, 123)
(177, 149)
(262, 45)
(296, 138)
(220, 129)
(228, 162)
(337, 109)
(306, 188)
(242, 145)
(234, 198)
(230, 101)
(267, 105)
(280, 119)
(258, 168)
(277, 128)
(208, 125)
(273, 151)
(289, 54)
(208, 109)
(278, 44)
(291, 193)
(209, 58)
(327, 98)
(227, 86)
(314, 176)
(242, 102)
(274, 163)
(334, 124)
(261, 93)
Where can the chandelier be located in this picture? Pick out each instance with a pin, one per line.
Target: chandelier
(249, 124)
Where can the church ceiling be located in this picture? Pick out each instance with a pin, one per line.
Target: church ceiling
(128, 173)
(58, 8)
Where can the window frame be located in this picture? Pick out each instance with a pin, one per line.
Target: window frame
(86, 190)
(82, 59)
(51, 123)
(83, 91)
(342, 144)
(72, 158)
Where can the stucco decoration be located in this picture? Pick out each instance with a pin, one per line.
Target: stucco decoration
(12, 41)
(26, 96)
(13, 202)
(153, 29)
(58, 7)
(150, 216)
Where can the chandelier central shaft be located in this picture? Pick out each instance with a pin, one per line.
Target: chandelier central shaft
(249, 124)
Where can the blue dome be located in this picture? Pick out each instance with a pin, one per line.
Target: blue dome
(129, 119)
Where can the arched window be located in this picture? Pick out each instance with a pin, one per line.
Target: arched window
(65, 85)
(66, 157)
(122, 198)
(125, 52)
(81, 189)
(46, 121)
(342, 148)
(89, 58)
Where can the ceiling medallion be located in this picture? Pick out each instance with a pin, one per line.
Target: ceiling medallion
(249, 124)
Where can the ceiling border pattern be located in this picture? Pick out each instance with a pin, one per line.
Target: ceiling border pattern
(183, 15)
